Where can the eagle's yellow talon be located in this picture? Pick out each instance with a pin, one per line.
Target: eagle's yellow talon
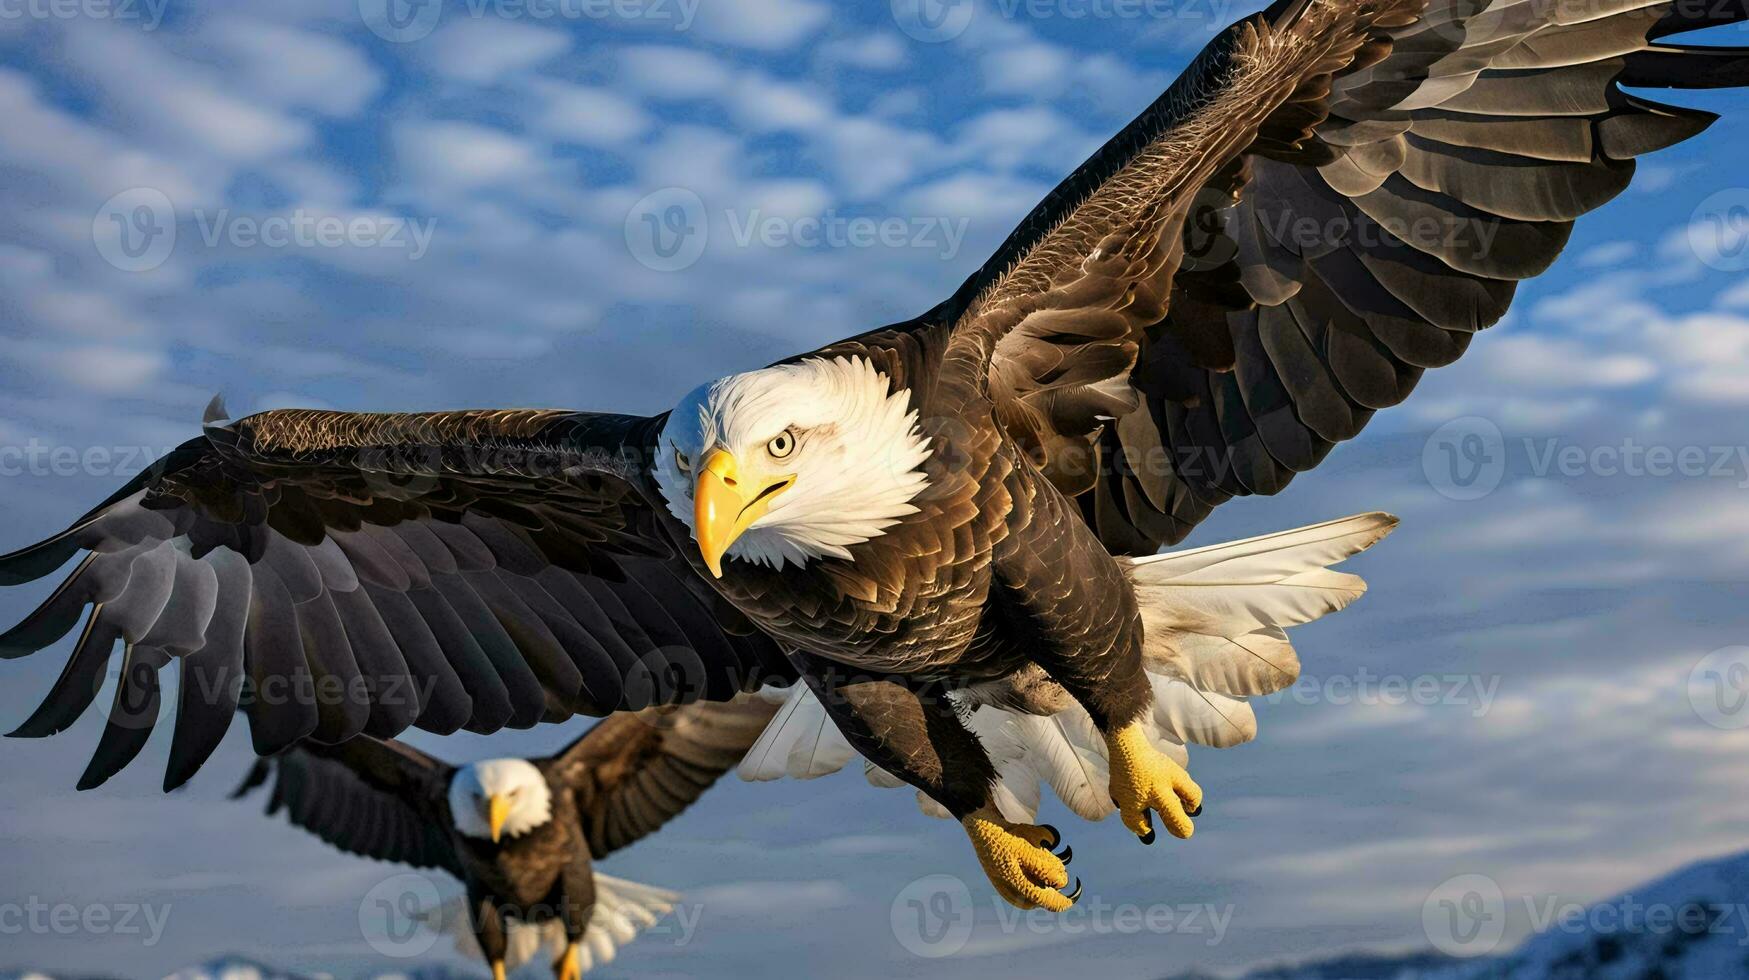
(1144, 780)
(1015, 857)
(570, 965)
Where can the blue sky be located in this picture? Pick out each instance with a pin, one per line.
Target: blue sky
(459, 214)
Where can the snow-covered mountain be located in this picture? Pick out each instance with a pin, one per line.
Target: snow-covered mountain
(1692, 924)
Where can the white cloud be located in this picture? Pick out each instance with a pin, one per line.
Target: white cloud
(582, 114)
(874, 52)
(986, 199)
(101, 368)
(171, 102)
(764, 103)
(1010, 138)
(871, 157)
(297, 68)
(696, 157)
(1607, 254)
(1534, 361)
(765, 898)
(897, 102)
(463, 155)
(1029, 69)
(483, 50)
(767, 25)
(672, 73)
(91, 162)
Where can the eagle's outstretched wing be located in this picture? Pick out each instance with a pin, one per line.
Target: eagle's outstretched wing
(1334, 197)
(336, 573)
(382, 800)
(634, 772)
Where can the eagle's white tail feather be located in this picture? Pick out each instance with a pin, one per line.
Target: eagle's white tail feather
(1068, 754)
(800, 742)
(1255, 663)
(1213, 623)
(1185, 714)
(622, 910)
(1268, 557)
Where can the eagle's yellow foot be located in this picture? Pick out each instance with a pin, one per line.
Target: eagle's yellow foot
(1142, 779)
(570, 964)
(497, 970)
(1018, 860)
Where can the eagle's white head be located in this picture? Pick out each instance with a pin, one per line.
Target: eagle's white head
(792, 463)
(499, 798)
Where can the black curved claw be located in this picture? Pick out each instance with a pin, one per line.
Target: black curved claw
(1147, 838)
(1066, 855)
(1074, 893)
(1194, 813)
(1056, 838)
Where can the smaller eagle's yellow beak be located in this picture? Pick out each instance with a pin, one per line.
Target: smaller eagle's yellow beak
(725, 506)
(497, 811)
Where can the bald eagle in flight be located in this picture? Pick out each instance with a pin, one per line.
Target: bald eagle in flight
(958, 509)
(520, 834)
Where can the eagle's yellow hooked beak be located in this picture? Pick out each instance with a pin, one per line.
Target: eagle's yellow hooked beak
(497, 811)
(725, 505)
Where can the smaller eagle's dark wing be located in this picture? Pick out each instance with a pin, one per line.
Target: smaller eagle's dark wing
(335, 574)
(635, 771)
(381, 800)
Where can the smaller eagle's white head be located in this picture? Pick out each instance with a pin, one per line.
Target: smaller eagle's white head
(792, 463)
(499, 798)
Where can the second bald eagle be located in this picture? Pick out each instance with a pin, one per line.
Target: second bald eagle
(521, 834)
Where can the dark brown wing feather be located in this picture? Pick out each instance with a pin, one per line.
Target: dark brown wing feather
(382, 800)
(1331, 199)
(338, 574)
(634, 772)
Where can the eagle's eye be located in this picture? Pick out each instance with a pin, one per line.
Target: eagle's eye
(781, 446)
(681, 461)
